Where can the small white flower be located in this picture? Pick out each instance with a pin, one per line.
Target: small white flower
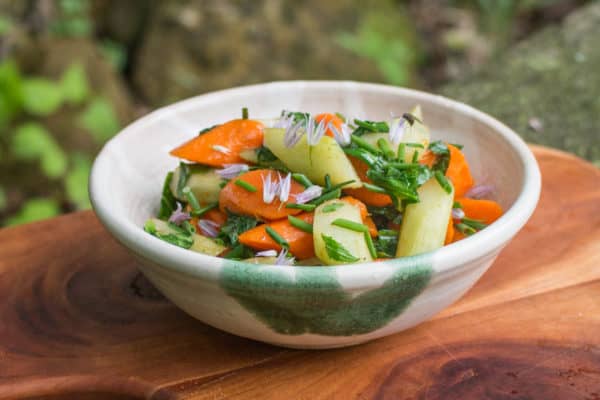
(221, 149)
(458, 213)
(293, 134)
(314, 131)
(285, 121)
(232, 170)
(270, 188)
(285, 185)
(266, 253)
(282, 258)
(342, 135)
(309, 194)
(397, 126)
(209, 228)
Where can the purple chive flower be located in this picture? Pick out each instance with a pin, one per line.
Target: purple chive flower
(282, 258)
(342, 136)
(458, 213)
(480, 191)
(293, 134)
(209, 228)
(314, 131)
(284, 187)
(266, 253)
(232, 170)
(309, 194)
(397, 126)
(285, 122)
(270, 189)
(178, 217)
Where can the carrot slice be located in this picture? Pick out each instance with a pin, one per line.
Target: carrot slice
(458, 172)
(428, 158)
(484, 210)
(222, 144)
(365, 195)
(240, 200)
(216, 216)
(301, 242)
(332, 119)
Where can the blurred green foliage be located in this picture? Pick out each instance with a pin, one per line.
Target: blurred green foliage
(25, 102)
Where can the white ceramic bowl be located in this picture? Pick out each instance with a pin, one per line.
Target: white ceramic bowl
(310, 307)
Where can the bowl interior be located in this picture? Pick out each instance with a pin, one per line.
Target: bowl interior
(139, 159)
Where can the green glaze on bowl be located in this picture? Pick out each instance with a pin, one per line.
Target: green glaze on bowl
(312, 300)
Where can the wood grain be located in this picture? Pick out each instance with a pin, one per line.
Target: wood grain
(78, 321)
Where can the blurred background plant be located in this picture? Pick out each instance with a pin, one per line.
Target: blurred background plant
(73, 72)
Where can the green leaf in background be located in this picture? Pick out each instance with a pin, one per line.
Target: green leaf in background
(99, 119)
(41, 96)
(76, 181)
(74, 84)
(115, 53)
(32, 141)
(6, 25)
(34, 210)
(10, 91)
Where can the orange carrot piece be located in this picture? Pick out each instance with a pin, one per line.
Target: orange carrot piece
(450, 232)
(330, 118)
(301, 243)
(239, 200)
(216, 216)
(222, 144)
(428, 158)
(484, 210)
(371, 225)
(365, 195)
(458, 172)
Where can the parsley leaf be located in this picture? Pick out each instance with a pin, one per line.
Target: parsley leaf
(386, 243)
(234, 226)
(383, 216)
(336, 251)
(182, 236)
(442, 156)
(167, 200)
(264, 155)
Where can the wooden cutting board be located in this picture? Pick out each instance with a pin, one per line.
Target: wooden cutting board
(78, 321)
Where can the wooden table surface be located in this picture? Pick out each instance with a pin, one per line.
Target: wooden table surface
(78, 321)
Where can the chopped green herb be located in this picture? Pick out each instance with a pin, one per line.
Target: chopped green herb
(386, 243)
(304, 207)
(245, 113)
(370, 245)
(234, 226)
(327, 181)
(415, 145)
(264, 155)
(171, 233)
(401, 152)
(300, 224)
(205, 130)
(467, 230)
(456, 204)
(385, 148)
(374, 188)
(360, 142)
(203, 210)
(350, 225)
(191, 198)
(334, 194)
(168, 203)
(336, 251)
(384, 216)
(239, 252)
(245, 185)
(415, 157)
(474, 223)
(443, 181)
(302, 179)
(277, 237)
(332, 207)
(458, 146)
(442, 155)
(364, 126)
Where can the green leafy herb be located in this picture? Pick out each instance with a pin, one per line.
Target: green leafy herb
(386, 243)
(243, 184)
(203, 210)
(415, 157)
(167, 200)
(365, 126)
(234, 226)
(474, 223)
(297, 115)
(456, 204)
(336, 251)
(330, 195)
(332, 207)
(300, 224)
(374, 188)
(467, 230)
(442, 155)
(414, 145)
(327, 182)
(184, 174)
(277, 237)
(401, 152)
(384, 216)
(41, 96)
(245, 113)
(74, 84)
(385, 148)
(358, 141)
(191, 198)
(179, 236)
(239, 252)
(350, 225)
(264, 155)
(99, 118)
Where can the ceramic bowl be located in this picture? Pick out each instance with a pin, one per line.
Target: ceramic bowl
(310, 307)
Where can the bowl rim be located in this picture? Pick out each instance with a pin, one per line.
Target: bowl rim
(446, 258)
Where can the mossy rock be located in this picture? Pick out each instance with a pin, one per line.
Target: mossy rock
(547, 88)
